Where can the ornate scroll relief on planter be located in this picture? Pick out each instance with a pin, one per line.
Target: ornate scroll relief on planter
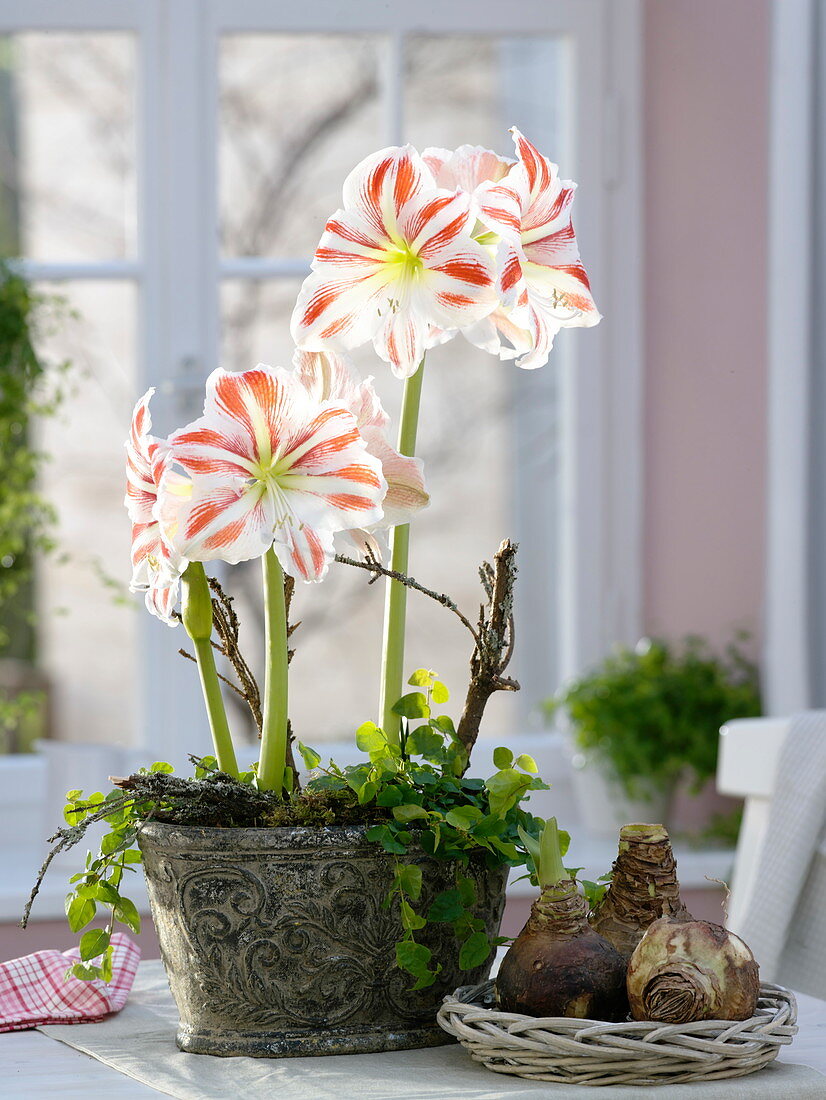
(275, 941)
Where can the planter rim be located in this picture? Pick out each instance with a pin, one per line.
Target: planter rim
(256, 838)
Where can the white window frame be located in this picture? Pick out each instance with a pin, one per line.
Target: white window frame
(178, 268)
(787, 686)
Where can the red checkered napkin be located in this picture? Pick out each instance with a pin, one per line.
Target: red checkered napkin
(33, 990)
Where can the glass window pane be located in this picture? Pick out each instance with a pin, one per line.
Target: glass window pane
(464, 441)
(297, 112)
(469, 90)
(67, 146)
(86, 620)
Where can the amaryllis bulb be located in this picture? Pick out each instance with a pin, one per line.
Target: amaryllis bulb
(684, 971)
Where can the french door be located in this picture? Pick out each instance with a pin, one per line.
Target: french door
(227, 128)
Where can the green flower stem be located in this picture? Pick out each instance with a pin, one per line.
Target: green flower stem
(395, 608)
(196, 614)
(273, 759)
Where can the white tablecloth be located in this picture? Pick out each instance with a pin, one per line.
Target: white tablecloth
(139, 1041)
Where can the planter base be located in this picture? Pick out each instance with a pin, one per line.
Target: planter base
(301, 1044)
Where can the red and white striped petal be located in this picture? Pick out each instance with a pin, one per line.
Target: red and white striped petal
(156, 566)
(163, 601)
(542, 281)
(141, 446)
(304, 552)
(397, 262)
(466, 167)
(269, 463)
(381, 184)
(224, 519)
(406, 493)
(328, 376)
(498, 334)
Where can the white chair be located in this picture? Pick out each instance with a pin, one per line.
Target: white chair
(778, 896)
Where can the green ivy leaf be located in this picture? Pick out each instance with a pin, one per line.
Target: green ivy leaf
(424, 741)
(79, 912)
(370, 738)
(409, 878)
(410, 918)
(415, 959)
(464, 817)
(467, 890)
(446, 906)
(439, 693)
(390, 796)
(126, 913)
(162, 766)
(106, 963)
(410, 812)
(444, 723)
(422, 677)
(101, 891)
(413, 705)
(309, 756)
(93, 943)
(593, 891)
(84, 972)
(366, 793)
(382, 834)
(502, 757)
(475, 950)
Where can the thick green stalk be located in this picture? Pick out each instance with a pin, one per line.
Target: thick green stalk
(196, 614)
(273, 759)
(395, 608)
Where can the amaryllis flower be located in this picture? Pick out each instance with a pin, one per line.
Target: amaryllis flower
(466, 167)
(156, 567)
(394, 265)
(328, 376)
(541, 277)
(270, 465)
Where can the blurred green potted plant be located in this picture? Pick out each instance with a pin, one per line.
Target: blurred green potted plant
(648, 717)
(28, 390)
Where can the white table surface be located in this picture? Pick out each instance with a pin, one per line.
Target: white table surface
(35, 1065)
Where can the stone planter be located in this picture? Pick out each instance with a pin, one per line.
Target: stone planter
(275, 941)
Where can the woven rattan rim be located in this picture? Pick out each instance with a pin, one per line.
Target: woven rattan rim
(588, 1052)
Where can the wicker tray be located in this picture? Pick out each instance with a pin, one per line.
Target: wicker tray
(587, 1052)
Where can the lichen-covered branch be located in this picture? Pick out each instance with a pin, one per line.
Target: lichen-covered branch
(67, 838)
(378, 570)
(494, 642)
(493, 637)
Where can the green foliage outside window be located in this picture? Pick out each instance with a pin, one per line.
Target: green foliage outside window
(30, 388)
(652, 714)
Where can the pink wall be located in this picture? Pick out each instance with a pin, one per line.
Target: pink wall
(706, 133)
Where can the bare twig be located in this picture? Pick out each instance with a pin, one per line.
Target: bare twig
(223, 679)
(378, 570)
(495, 640)
(67, 838)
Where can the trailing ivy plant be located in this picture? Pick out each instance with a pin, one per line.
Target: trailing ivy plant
(415, 793)
(654, 712)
